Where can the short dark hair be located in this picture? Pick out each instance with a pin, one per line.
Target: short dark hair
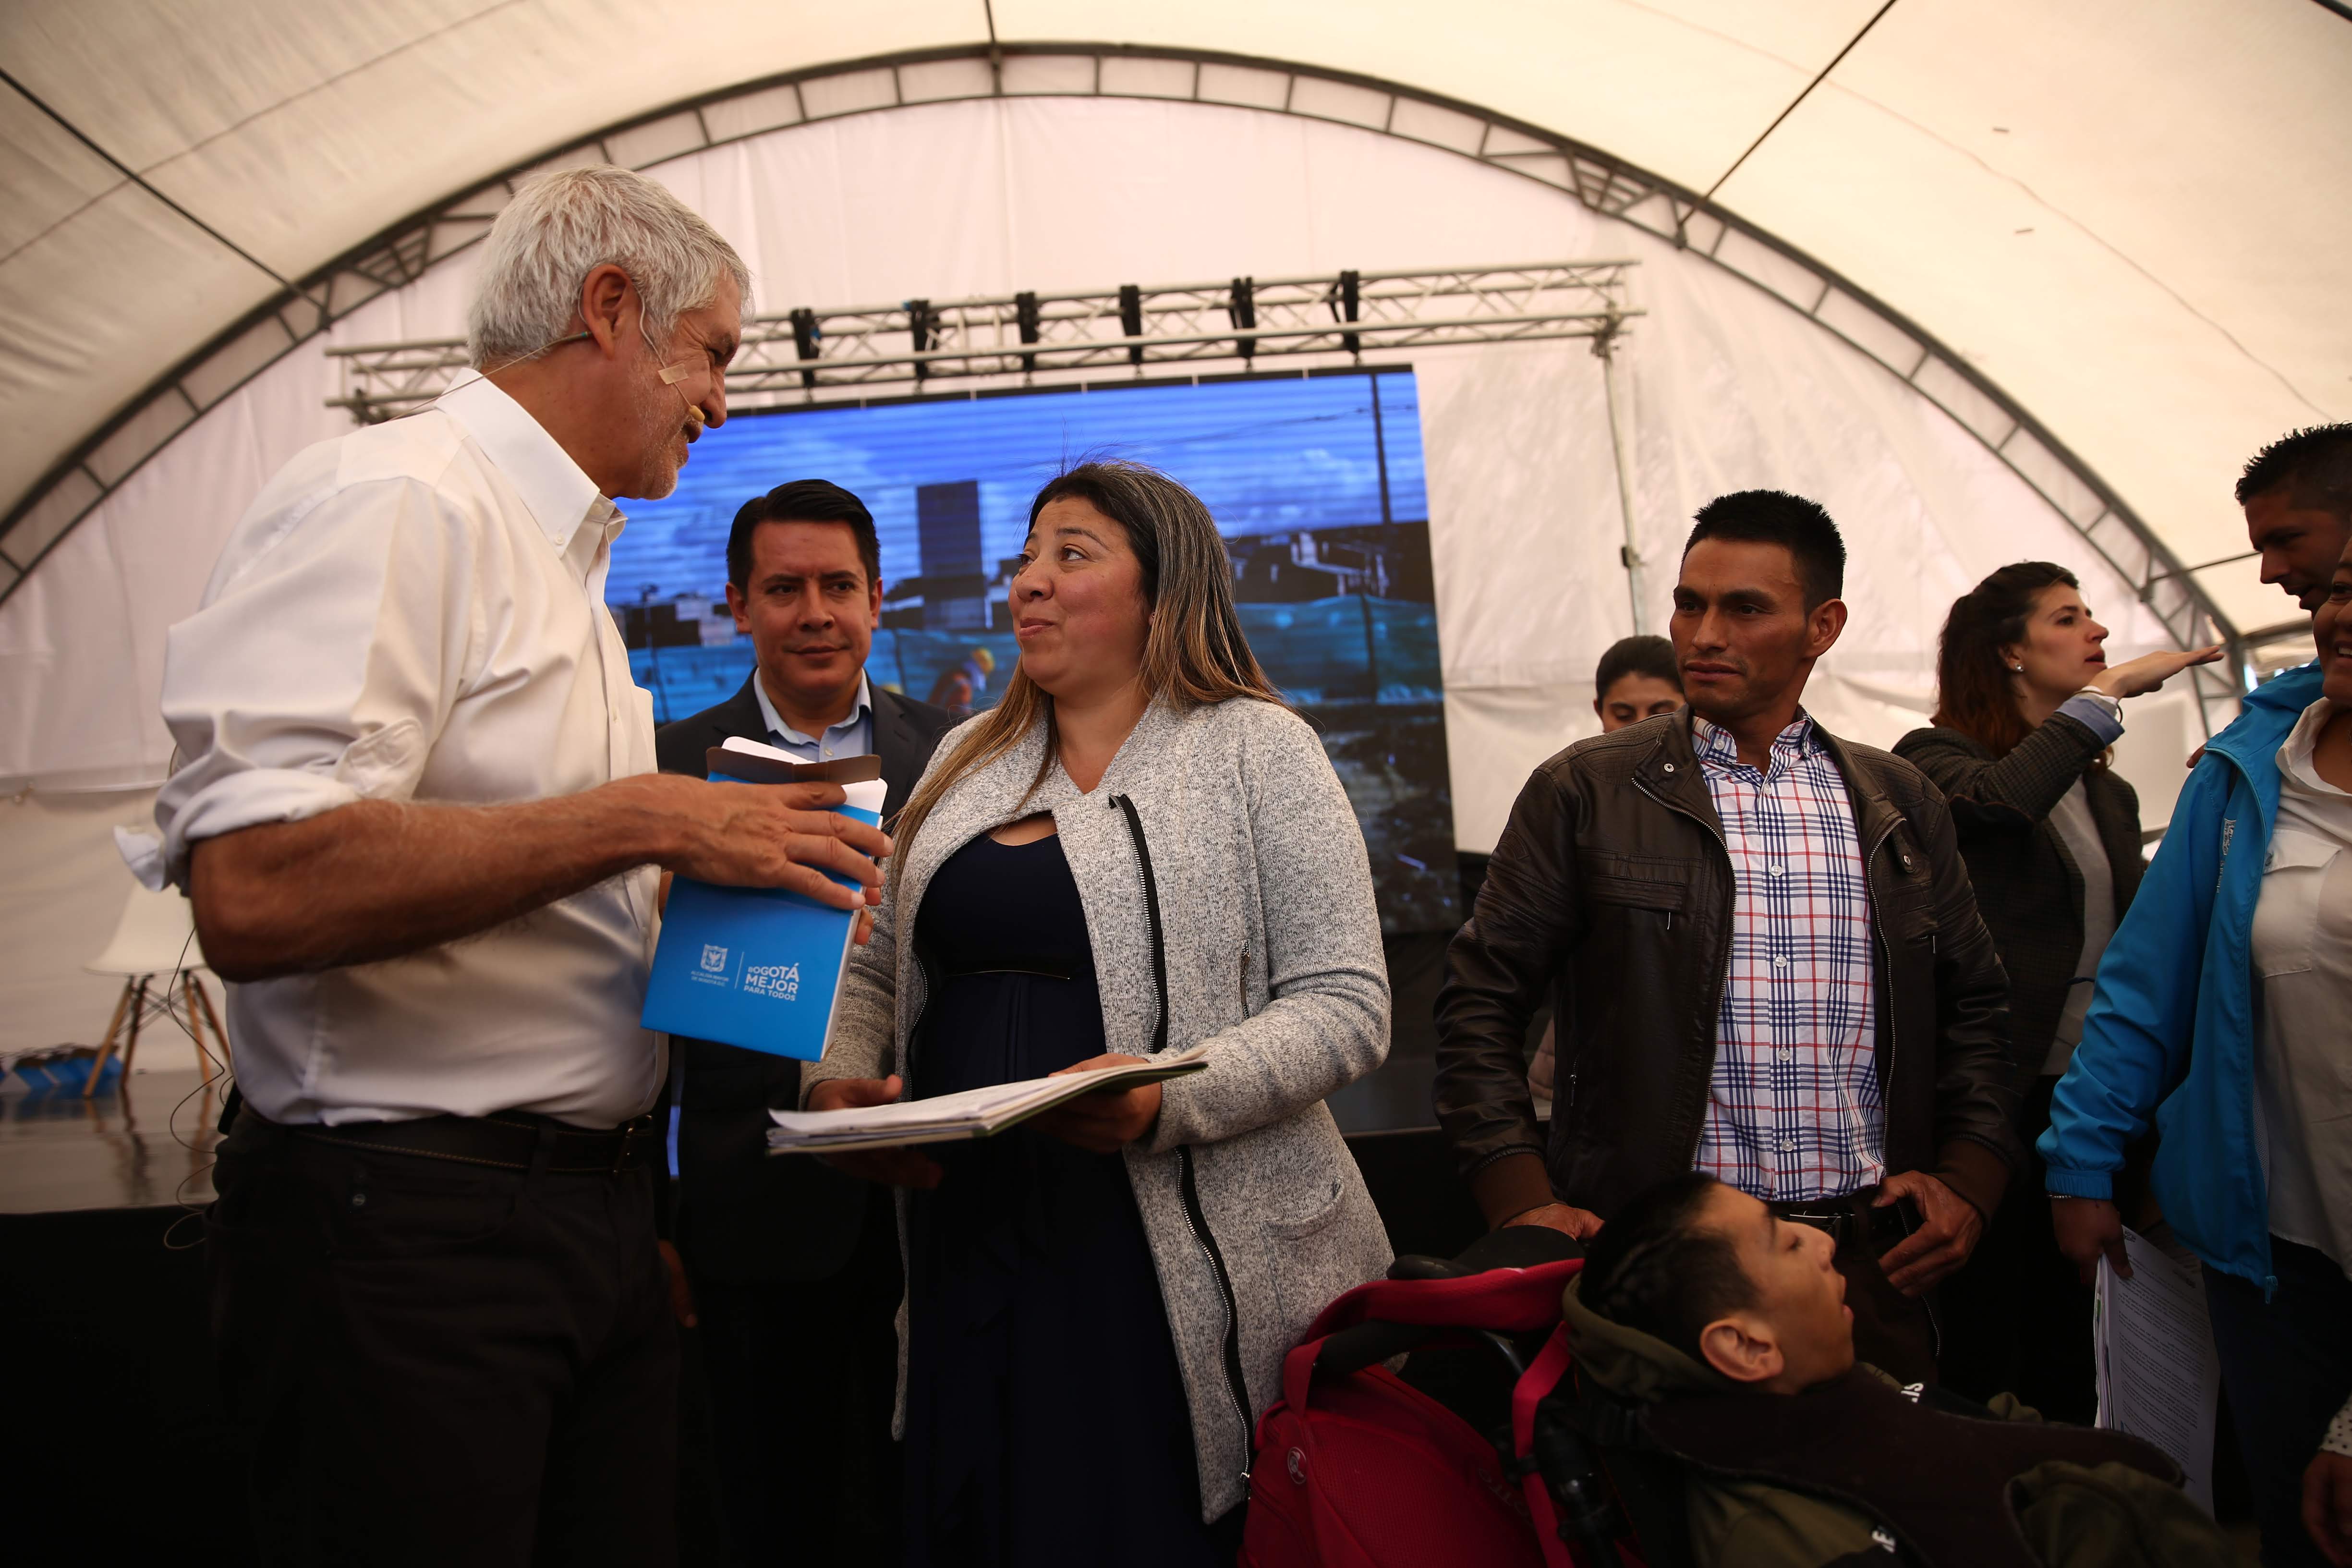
(1775, 517)
(1656, 1269)
(1650, 656)
(2313, 465)
(803, 500)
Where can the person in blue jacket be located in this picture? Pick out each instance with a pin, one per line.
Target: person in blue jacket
(2175, 1032)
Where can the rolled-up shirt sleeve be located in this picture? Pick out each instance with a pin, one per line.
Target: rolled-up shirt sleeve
(336, 635)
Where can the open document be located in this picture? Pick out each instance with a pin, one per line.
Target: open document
(975, 1113)
(2159, 1378)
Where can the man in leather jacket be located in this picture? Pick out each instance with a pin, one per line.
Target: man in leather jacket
(1763, 953)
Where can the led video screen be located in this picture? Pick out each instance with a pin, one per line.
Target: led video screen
(1316, 483)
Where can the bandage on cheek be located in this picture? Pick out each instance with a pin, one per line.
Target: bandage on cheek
(671, 374)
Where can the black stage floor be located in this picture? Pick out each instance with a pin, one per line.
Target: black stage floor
(116, 1446)
(150, 1149)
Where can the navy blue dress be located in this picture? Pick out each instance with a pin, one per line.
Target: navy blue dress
(1047, 1421)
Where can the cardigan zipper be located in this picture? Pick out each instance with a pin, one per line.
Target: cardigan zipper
(1194, 1215)
(1235, 1386)
(1151, 912)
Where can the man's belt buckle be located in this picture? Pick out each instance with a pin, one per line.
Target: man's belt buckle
(1835, 1222)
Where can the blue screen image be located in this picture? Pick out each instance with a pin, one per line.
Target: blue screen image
(1316, 485)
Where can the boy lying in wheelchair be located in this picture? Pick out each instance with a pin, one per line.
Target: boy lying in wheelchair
(1719, 1383)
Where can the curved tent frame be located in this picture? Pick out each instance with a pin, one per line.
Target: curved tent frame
(1601, 182)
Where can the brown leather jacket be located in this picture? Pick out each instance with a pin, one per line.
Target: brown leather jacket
(1612, 892)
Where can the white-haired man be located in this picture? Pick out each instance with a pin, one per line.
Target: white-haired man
(420, 821)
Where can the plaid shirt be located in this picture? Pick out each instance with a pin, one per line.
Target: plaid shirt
(1793, 1109)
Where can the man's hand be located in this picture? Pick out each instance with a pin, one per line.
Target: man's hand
(762, 835)
(1566, 1219)
(1105, 1121)
(1948, 1230)
(2087, 1227)
(2327, 1507)
(681, 1294)
(891, 1167)
(378, 878)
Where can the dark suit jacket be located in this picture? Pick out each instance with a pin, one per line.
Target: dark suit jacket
(2027, 884)
(742, 1216)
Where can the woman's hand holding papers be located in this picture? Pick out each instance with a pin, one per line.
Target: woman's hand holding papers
(764, 836)
(892, 1167)
(1103, 1123)
(2086, 1228)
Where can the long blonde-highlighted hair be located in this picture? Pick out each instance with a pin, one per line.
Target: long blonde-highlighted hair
(1194, 655)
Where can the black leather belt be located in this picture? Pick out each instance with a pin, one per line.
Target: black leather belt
(508, 1141)
(1849, 1218)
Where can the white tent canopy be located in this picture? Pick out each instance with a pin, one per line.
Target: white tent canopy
(2042, 279)
(2129, 217)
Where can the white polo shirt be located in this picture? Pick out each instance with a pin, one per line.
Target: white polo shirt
(416, 612)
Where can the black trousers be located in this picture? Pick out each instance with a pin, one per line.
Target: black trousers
(2017, 1317)
(2286, 1366)
(802, 1377)
(441, 1362)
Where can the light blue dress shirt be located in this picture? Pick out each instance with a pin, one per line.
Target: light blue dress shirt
(852, 737)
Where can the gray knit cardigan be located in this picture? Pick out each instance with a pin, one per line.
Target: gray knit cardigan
(1220, 867)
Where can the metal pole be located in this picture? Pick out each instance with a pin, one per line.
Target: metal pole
(1628, 555)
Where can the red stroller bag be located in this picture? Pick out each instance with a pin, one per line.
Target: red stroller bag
(1356, 1468)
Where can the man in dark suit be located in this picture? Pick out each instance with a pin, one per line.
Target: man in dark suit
(794, 1266)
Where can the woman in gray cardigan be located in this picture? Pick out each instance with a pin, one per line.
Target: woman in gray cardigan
(1138, 851)
(2026, 708)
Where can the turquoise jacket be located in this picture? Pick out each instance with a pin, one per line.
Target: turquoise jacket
(2171, 1024)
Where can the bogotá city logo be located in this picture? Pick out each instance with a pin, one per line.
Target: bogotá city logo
(714, 958)
(781, 981)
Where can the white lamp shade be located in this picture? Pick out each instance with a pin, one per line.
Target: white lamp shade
(155, 936)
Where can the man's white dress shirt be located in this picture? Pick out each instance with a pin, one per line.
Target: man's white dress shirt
(416, 612)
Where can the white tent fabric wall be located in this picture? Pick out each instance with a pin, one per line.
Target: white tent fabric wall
(1725, 395)
(1728, 388)
(2129, 216)
(66, 887)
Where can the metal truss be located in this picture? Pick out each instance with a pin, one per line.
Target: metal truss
(804, 355)
(1597, 180)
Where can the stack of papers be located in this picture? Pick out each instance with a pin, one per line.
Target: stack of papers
(2158, 1377)
(950, 1118)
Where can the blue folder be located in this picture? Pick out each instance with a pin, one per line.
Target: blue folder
(756, 967)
